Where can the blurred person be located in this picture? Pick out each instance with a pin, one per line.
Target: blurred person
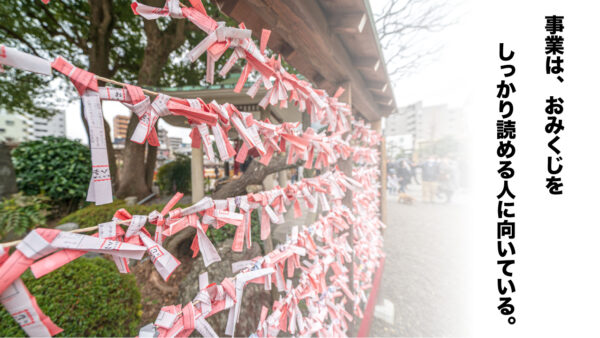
(448, 175)
(392, 184)
(429, 177)
(413, 172)
(391, 173)
(391, 170)
(405, 174)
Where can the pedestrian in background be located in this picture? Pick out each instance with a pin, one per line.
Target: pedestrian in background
(413, 172)
(448, 179)
(429, 177)
(404, 175)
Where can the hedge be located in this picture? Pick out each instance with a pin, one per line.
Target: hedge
(175, 176)
(56, 167)
(87, 297)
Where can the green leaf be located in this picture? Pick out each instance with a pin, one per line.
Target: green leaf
(65, 187)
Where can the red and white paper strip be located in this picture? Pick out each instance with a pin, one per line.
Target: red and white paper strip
(205, 246)
(164, 262)
(41, 242)
(141, 106)
(240, 282)
(100, 189)
(24, 309)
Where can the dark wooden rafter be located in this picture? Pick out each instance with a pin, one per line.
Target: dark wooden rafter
(367, 64)
(377, 86)
(348, 23)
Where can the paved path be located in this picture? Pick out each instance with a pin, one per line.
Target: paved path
(427, 250)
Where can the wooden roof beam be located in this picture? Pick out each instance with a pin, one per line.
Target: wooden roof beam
(377, 86)
(348, 23)
(367, 64)
(383, 100)
(386, 109)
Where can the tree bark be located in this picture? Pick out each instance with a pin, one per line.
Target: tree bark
(138, 164)
(133, 179)
(151, 153)
(255, 174)
(102, 22)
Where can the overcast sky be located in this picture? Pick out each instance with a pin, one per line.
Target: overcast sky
(431, 82)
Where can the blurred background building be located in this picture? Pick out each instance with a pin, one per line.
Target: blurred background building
(13, 128)
(175, 143)
(417, 131)
(120, 123)
(16, 128)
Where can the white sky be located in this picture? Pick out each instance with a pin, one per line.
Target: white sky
(432, 81)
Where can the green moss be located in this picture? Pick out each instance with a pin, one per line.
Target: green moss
(87, 297)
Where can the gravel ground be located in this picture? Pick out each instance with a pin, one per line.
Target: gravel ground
(427, 250)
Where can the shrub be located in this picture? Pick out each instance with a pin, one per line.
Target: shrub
(87, 297)
(54, 166)
(20, 213)
(95, 214)
(175, 176)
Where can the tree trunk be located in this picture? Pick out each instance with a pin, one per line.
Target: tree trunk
(151, 153)
(138, 164)
(101, 26)
(133, 179)
(255, 174)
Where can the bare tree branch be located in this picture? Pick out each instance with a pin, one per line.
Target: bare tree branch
(400, 26)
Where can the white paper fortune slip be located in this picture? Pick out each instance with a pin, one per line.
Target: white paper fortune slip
(14, 58)
(164, 262)
(100, 190)
(69, 240)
